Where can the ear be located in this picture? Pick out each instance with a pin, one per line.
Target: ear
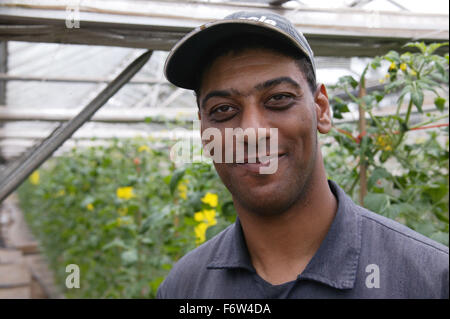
(323, 112)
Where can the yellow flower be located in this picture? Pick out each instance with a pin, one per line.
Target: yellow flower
(122, 211)
(211, 199)
(403, 66)
(200, 232)
(413, 73)
(125, 192)
(90, 207)
(34, 178)
(387, 76)
(381, 81)
(384, 143)
(123, 221)
(60, 193)
(182, 189)
(393, 66)
(207, 218)
(143, 148)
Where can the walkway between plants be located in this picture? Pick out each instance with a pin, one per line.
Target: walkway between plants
(23, 270)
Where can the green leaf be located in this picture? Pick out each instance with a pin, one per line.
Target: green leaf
(146, 225)
(419, 45)
(176, 177)
(339, 108)
(147, 241)
(417, 98)
(87, 200)
(348, 79)
(167, 266)
(394, 85)
(117, 242)
(154, 284)
(343, 108)
(129, 257)
(440, 68)
(440, 103)
(393, 56)
(376, 202)
(214, 230)
(376, 62)
(434, 46)
(440, 237)
(378, 96)
(228, 209)
(393, 211)
(377, 174)
(436, 192)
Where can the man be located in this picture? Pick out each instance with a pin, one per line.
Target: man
(297, 235)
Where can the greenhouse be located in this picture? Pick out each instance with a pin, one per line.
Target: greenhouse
(108, 184)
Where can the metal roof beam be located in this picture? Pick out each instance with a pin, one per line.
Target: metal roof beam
(12, 178)
(158, 25)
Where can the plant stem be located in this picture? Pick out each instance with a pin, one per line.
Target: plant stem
(379, 125)
(362, 156)
(402, 132)
(408, 113)
(429, 121)
(397, 183)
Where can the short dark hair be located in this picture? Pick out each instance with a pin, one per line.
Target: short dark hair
(249, 41)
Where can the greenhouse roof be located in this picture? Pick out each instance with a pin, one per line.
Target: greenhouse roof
(53, 71)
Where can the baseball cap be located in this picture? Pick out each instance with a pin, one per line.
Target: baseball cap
(186, 57)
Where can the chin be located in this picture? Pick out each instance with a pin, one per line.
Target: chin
(269, 195)
(263, 203)
(265, 200)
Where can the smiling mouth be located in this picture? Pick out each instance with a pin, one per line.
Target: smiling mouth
(257, 162)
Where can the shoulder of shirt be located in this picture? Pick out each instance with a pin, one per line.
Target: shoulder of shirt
(188, 268)
(404, 233)
(203, 254)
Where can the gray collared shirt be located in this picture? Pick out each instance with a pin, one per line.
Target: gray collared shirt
(364, 255)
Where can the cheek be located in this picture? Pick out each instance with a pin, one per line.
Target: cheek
(297, 126)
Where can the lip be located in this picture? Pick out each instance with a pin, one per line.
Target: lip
(255, 167)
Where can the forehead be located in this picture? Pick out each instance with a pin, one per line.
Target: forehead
(248, 66)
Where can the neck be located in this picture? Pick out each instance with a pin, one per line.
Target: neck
(281, 246)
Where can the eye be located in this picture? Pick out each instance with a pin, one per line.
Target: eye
(222, 109)
(280, 100)
(222, 113)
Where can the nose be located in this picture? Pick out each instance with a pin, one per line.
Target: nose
(254, 123)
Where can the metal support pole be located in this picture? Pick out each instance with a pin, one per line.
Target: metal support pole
(362, 160)
(4, 70)
(12, 179)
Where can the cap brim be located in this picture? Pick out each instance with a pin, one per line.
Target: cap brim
(186, 58)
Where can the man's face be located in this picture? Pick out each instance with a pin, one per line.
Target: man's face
(262, 89)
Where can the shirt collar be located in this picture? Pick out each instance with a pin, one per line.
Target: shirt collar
(232, 251)
(335, 262)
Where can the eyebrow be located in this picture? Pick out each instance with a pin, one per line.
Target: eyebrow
(277, 81)
(218, 93)
(259, 87)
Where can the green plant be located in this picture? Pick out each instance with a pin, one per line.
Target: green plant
(124, 213)
(408, 179)
(119, 213)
